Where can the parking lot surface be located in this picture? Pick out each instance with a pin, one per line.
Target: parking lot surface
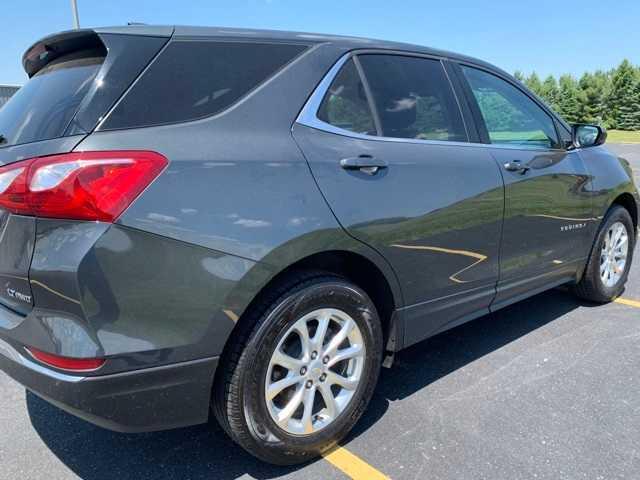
(546, 388)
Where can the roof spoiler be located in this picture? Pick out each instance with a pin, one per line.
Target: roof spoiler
(49, 48)
(54, 46)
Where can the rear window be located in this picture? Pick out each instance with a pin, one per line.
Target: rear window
(413, 97)
(195, 79)
(43, 108)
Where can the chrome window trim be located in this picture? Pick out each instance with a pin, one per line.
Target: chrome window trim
(308, 115)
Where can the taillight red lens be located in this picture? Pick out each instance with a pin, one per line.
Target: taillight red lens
(79, 186)
(67, 363)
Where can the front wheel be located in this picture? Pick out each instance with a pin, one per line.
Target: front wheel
(301, 370)
(610, 259)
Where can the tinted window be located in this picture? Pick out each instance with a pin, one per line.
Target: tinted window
(345, 104)
(413, 98)
(511, 116)
(43, 108)
(192, 80)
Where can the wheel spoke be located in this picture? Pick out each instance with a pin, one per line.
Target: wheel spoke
(321, 331)
(339, 337)
(286, 361)
(615, 235)
(335, 379)
(345, 354)
(307, 415)
(290, 408)
(621, 246)
(302, 330)
(276, 387)
(329, 400)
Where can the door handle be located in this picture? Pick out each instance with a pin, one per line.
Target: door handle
(364, 163)
(516, 166)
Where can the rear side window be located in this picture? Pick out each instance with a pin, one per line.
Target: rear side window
(413, 98)
(195, 79)
(345, 104)
(510, 116)
(43, 108)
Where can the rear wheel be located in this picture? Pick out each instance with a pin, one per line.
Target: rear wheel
(608, 266)
(301, 369)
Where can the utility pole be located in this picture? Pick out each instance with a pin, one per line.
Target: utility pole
(74, 10)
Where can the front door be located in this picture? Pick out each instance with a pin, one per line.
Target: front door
(548, 212)
(388, 147)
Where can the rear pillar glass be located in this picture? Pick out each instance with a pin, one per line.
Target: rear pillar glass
(196, 79)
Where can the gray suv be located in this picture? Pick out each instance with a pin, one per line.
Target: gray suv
(202, 222)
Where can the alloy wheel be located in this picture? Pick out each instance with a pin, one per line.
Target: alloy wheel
(314, 371)
(613, 256)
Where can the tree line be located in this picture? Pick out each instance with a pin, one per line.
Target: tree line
(609, 98)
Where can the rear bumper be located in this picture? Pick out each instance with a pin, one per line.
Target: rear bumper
(143, 400)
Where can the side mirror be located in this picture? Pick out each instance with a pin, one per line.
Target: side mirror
(588, 135)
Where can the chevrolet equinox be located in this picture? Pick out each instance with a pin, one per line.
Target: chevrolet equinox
(247, 224)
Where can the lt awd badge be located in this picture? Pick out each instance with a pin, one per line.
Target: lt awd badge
(18, 296)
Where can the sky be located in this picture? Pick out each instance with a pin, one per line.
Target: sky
(550, 37)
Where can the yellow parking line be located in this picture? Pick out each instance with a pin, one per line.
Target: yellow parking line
(626, 301)
(352, 465)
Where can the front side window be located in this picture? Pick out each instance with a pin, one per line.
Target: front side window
(510, 116)
(413, 97)
(345, 104)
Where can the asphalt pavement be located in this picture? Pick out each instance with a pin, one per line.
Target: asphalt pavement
(548, 388)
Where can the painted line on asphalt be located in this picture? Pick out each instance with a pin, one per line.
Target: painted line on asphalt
(626, 301)
(352, 465)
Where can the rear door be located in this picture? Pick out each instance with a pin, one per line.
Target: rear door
(548, 212)
(386, 141)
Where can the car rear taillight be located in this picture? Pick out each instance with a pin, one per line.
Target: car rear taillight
(67, 363)
(78, 186)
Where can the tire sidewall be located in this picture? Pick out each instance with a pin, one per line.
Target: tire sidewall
(328, 294)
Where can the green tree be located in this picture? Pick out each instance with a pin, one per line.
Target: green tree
(593, 89)
(569, 99)
(519, 75)
(629, 112)
(623, 82)
(534, 84)
(550, 92)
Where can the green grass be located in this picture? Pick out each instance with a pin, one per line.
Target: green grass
(621, 136)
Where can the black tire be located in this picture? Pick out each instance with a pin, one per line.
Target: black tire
(591, 287)
(238, 397)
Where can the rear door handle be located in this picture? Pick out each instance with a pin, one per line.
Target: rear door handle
(364, 163)
(516, 166)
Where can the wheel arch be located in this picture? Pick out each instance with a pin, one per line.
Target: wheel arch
(627, 201)
(375, 277)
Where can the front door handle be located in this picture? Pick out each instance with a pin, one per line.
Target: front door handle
(364, 163)
(516, 166)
